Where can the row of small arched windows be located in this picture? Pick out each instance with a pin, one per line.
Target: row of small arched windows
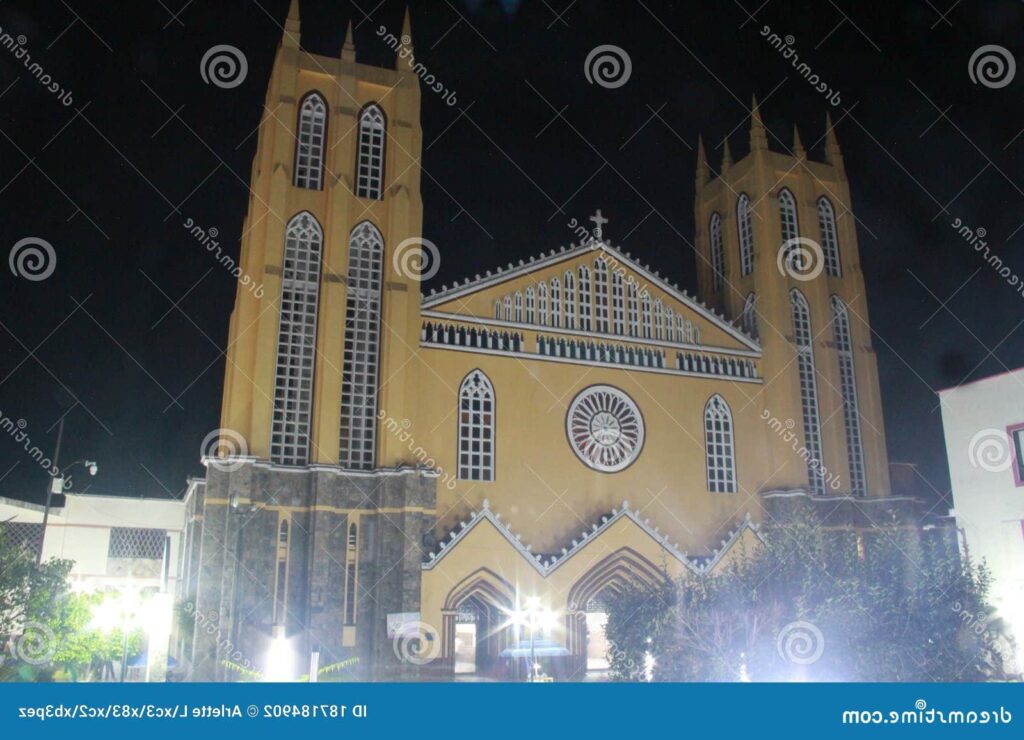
(311, 144)
(790, 235)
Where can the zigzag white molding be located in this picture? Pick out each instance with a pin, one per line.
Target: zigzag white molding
(456, 535)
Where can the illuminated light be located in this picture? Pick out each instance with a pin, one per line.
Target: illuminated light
(280, 660)
(649, 663)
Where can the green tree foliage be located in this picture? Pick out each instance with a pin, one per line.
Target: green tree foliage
(815, 604)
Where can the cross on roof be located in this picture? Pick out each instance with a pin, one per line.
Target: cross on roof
(599, 222)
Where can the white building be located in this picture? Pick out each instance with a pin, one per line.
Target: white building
(984, 430)
(127, 545)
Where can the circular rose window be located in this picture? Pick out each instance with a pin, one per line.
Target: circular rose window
(605, 428)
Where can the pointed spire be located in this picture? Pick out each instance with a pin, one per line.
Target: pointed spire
(726, 156)
(292, 26)
(798, 146)
(832, 154)
(405, 59)
(348, 49)
(758, 136)
(702, 163)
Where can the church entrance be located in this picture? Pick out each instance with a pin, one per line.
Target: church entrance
(476, 642)
(597, 639)
(465, 641)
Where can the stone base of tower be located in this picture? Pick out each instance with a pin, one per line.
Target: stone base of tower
(333, 536)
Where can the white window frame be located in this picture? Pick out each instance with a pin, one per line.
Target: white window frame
(808, 389)
(476, 423)
(370, 154)
(310, 142)
(848, 387)
(746, 234)
(829, 238)
(719, 446)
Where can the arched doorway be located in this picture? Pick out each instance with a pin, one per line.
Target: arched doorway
(587, 617)
(475, 627)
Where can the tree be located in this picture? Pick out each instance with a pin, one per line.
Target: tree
(815, 604)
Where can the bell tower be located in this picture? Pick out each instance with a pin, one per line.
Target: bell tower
(777, 253)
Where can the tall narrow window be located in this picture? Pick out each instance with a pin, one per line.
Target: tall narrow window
(519, 308)
(808, 389)
(281, 574)
(584, 298)
(556, 302)
(476, 428)
(362, 348)
(829, 240)
(570, 301)
(350, 574)
(746, 231)
(530, 317)
(618, 309)
(670, 323)
(680, 329)
(750, 315)
(634, 311)
(296, 341)
(370, 161)
(648, 324)
(659, 320)
(507, 303)
(542, 304)
(601, 295)
(718, 446)
(787, 217)
(309, 151)
(717, 252)
(848, 386)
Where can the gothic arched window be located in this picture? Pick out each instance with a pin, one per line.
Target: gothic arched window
(476, 428)
(362, 348)
(519, 307)
(370, 157)
(296, 341)
(585, 298)
(808, 388)
(648, 323)
(746, 231)
(507, 305)
(787, 216)
(829, 240)
(601, 294)
(618, 311)
(570, 301)
(848, 387)
(750, 315)
(309, 151)
(556, 302)
(659, 320)
(718, 446)
(634, 311)
(530, 316)
(670, 324)
(717, 252)
(542, 304)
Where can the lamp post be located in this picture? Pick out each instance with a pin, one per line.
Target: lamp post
(59, 482)
(533, 617)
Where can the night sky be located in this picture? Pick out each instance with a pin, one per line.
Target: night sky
(124, 338)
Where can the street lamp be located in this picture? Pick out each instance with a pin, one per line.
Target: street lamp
(534, 617)
(60, 482)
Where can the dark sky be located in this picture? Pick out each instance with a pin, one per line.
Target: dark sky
(124, 338)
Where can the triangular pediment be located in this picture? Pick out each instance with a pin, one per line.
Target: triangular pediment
(505, 297)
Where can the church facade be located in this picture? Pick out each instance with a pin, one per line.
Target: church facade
(402, 476)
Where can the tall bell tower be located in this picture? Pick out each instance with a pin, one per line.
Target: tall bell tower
(778, 254)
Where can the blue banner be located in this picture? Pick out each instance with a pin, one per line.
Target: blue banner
(492, 710)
